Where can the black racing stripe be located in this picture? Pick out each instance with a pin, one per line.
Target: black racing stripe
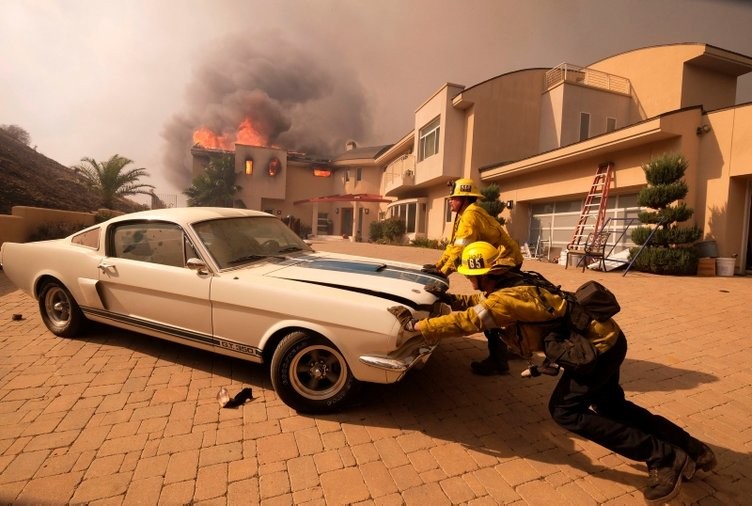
(373, 293)
(182, 334)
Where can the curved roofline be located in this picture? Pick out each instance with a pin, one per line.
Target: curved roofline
(503, 75)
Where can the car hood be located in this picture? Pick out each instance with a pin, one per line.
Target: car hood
(400, 282)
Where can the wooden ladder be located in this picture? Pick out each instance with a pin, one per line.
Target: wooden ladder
(594, 206)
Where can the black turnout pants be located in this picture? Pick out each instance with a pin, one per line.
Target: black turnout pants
(594, 407)
(497, 349)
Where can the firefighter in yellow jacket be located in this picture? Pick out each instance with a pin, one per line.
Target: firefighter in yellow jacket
(472, 223)
(589, 402)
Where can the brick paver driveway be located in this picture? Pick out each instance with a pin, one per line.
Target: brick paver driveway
(117, 417)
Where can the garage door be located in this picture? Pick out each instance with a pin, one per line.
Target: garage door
(553, 223)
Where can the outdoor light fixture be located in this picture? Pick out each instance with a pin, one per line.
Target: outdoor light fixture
(367, 210)
(509, 204)
(703, 129)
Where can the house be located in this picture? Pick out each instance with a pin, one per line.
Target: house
(541, 135)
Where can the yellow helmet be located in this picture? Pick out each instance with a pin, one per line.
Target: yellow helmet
(477, 258)
(464, 188)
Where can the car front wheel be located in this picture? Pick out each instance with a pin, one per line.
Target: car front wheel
(310, 375)
(59, 310)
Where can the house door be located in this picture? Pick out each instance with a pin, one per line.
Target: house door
(346, 214)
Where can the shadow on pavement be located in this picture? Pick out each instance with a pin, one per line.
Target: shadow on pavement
(506, 417)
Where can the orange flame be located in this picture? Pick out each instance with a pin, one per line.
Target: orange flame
(245, 134)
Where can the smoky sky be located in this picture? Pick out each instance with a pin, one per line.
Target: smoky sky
(296, 98)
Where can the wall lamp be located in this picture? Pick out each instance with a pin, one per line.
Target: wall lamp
(366, 210)
(509, 204)
(703, 129)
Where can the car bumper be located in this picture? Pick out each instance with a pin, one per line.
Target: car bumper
(397, 364)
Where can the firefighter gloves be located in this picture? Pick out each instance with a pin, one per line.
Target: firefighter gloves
(404, 317)
(406, 321)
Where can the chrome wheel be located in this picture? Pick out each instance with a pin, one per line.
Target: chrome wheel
(317, 372)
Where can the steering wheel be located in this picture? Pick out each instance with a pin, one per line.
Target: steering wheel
(270, 246)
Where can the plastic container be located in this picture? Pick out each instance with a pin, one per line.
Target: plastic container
(707, 249)
(725, 266)
(706, 267)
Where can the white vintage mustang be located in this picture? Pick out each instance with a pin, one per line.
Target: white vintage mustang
(236, 282)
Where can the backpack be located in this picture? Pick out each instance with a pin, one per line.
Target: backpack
(568, 346)
(591, 301)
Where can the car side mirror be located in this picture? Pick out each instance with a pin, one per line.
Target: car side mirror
(196, 264)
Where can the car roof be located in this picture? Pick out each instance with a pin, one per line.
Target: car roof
(185, 215)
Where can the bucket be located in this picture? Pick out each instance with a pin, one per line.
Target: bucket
(725, 266)
(706, 267)
(563, 257)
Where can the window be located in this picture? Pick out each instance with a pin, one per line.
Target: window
(319, 172)
(406, 212)
(428, 142)
(359, 174)
(88, 238)
(610, 124)
(447, 211)
(584, 126)
(248, 167)
(155, 242)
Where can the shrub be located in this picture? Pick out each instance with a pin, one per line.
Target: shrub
(389, 230)
(428, 243)
(375, 231)
(105, 214)
(662, 260)
(54, 231)
(393, 229)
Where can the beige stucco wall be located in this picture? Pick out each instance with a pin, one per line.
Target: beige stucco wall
(502, 122)
(725, 163)
(260, 185)
(24, 220)
(655, 74)
(448, 161)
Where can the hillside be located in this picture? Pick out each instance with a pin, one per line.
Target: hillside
(28, 178)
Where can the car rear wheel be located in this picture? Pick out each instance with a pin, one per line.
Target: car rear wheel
(59, 310)
(310, 375)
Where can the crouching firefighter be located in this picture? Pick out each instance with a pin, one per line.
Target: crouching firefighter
(589, 401)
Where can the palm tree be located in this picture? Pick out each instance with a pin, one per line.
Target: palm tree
(216, 185)
(112, 179)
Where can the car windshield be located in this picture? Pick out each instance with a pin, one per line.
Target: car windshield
(236, 241)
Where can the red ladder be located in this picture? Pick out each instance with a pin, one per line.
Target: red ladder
(594, 206)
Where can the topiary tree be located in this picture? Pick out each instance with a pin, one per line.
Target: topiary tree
(671, 249)
(491, 202)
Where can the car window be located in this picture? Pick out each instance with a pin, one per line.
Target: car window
(156, 242)
(88, 238)
(234, 241)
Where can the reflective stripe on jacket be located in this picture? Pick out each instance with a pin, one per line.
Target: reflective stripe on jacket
(475, 224)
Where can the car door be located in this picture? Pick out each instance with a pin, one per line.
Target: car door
(145, 284)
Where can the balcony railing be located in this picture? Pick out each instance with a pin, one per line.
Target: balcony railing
(588, 77)
(400, 172)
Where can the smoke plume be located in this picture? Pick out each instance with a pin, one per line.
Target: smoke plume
(296, 100)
